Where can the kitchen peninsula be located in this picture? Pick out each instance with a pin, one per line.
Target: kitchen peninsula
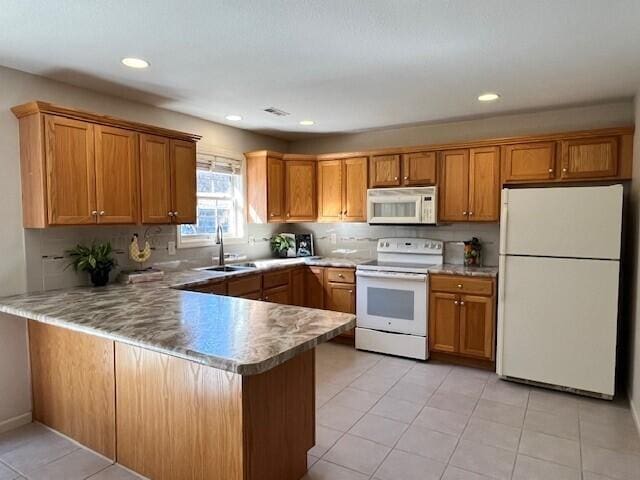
(177, 384)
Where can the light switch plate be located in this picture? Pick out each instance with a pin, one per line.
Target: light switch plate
(171, 248)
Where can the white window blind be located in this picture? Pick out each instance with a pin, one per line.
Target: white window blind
(220, 201)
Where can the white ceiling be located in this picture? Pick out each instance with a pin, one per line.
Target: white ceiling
(347, 64)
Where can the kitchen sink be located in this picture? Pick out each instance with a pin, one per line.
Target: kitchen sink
(230, 268)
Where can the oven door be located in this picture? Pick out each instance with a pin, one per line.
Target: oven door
(394, 209)
(392, 302)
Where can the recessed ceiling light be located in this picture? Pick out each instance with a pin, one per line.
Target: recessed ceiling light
(307, 123)
(233, 118)
(488, 97)
(133, 62)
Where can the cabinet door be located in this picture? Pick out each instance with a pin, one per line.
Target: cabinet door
(71, 182)
(419, 168)
(184, 201)
(529, 162)
(340, 297)
(300, 190)
(116, 175)
(297, 287)
(314, 287)
(443, 322)
(275, 190)
(476, 326)
(484, 184)
(354, 181)
(155, 179)
(384, 171)
(330, 191)
(590, 158)
(454, 186)
(277, 295)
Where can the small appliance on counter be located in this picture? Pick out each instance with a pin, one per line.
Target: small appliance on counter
(472, 253)
(392, 301)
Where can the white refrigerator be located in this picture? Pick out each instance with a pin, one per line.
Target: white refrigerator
(558, 286)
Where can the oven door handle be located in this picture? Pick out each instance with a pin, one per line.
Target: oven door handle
(416, 277)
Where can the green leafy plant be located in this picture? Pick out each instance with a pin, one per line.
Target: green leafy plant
(281, 243)
(97, 260)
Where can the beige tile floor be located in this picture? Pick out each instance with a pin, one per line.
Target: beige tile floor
(385, 418)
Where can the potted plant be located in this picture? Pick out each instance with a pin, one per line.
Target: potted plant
(281, 243)
(97, 260)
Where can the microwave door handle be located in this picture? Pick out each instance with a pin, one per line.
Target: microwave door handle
(416, 277)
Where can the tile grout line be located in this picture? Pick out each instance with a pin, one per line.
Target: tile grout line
(524, 419)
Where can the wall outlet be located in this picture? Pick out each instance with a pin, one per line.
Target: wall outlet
(252, 240)
(171, 248)
(333, 238)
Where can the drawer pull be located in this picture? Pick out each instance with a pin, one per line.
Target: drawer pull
(459, 285)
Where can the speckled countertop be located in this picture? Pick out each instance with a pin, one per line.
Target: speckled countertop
(452, 269)
(241, 336)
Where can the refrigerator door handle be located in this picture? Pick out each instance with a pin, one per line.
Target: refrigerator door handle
(503, 221)
(500, 323)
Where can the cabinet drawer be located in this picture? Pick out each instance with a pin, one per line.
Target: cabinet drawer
(245, 285)
(251, 296)
(219, 288)
(275, 279)
(341, 275)
(277, 295)
(461, 284)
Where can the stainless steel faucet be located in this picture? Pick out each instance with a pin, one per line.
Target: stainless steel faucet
(220, 241)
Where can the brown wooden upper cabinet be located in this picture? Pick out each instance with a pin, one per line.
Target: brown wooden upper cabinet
(81, 168)
(342, 190)
(589, 158)
(280, 188)
(384, 171)
(168, 180)
(419, 169)
(300, 190)
(469, 185)
(409, 169)
(529, 162)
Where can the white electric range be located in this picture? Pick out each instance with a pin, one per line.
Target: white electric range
(392, 304)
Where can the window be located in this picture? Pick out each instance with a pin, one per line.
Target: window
(220, 202)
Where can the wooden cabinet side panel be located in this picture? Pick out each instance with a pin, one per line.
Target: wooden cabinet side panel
(155, 179)
(32, 171)
(72, 376)
(354, 200)
(297, 287)
(484, 184)
(183, 182)
(330, 186)
(279, 418)
(300, 190)
(117, 179)
(454, 186)
(257, 189)
(70, 160)
(177, 419)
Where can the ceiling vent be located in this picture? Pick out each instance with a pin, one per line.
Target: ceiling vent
(276, 111)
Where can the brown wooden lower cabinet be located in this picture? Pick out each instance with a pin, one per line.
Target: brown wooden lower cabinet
(462, 318)
(314, 287)
(168, 418)
(277, 295)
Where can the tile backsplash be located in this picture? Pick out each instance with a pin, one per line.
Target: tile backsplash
(47, 261)
(359, 240)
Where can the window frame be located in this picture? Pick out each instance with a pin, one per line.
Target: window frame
(239, 199)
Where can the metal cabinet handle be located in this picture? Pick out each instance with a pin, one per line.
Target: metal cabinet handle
(464, 213)
(175, 214)
(551, 170)
(406, 178)
(564, 169)
(461, 303)
(470, 213)
(459, 285)
(266, 299)
(170, 214)
(94, 213)
(455, 302)
(395, 178)
(350, 291)
(102, 212)
(288, 214)
(341, 275)
(273, 214)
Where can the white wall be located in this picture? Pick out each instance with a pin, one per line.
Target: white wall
(16, 88)
(546, 121)
(633, 310)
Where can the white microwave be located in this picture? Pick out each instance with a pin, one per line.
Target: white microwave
(402, 205)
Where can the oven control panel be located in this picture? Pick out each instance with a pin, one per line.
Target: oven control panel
(422, 246)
